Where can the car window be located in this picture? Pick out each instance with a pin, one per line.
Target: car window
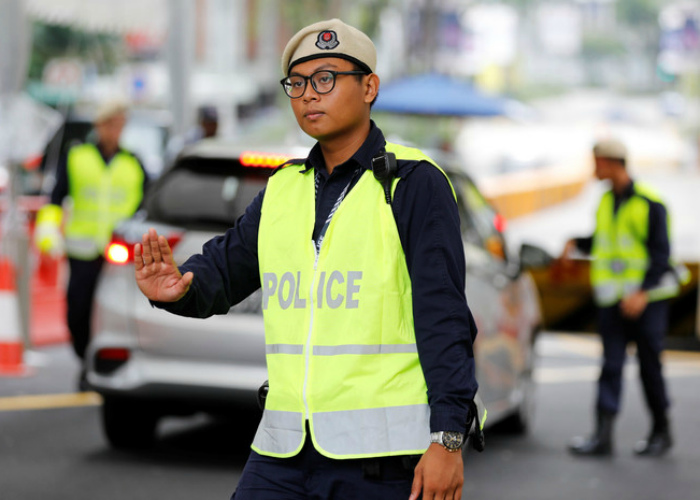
(479, 219)
(204, 193)
(147, 141)
(71, 133)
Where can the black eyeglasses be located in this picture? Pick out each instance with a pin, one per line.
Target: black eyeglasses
(322, 82)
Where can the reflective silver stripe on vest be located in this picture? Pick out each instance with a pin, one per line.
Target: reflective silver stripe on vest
(284, 349)
(335, 350)
(374, 431)
(607, 293)
(81, 248)
(611, 291)
(280, 432)
(667, 287)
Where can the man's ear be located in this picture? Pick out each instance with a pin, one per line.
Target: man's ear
(371, 87)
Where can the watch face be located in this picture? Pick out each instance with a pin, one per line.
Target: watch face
(452, 440)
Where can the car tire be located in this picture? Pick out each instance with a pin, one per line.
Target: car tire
(516, 424)
(519, 421)
(128, 424)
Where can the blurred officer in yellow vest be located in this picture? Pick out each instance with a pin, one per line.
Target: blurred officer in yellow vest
(633, 277)
(97, 186)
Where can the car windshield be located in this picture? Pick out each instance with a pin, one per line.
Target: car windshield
(204, 193)
(147, 141)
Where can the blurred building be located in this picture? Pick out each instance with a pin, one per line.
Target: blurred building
(176, 54)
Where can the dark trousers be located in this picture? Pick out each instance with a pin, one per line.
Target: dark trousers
(648, 333)
(81, 291)
(310, 475)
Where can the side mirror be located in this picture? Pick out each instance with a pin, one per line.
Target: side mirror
(532, 256)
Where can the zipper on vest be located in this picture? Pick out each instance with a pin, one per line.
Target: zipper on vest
(308, 336)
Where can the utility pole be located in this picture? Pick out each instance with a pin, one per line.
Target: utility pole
(25, 128)
(181, 19)
(431, 28)
(14, 240)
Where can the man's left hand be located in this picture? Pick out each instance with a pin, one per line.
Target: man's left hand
(439, 475)
(633, 305)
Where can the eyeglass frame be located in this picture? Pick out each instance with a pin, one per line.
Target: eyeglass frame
(313, 85)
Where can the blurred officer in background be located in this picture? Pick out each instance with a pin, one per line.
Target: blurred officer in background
(97, 186)
(632, 278)
(207, 128)
(208, 122)
(371, 374)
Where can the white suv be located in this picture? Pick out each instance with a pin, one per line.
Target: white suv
(147, 363)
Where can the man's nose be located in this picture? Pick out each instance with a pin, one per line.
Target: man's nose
(309, 92)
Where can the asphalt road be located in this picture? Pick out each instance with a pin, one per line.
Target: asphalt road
(51, 446)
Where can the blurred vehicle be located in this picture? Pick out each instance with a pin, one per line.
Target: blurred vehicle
(146, 134)
(147, 363)
(4, 177)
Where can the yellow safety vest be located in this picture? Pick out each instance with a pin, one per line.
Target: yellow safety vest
(620, 256)
(340, 342)
(102, 196)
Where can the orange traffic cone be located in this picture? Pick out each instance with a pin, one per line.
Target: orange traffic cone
(11, 345)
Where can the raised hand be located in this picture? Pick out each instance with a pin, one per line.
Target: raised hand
(157, 276)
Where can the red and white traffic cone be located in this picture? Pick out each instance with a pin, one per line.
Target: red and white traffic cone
(11, 345)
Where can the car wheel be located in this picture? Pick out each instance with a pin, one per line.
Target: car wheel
(520, 420)
(129, 424)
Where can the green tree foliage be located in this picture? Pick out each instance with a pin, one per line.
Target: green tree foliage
(638, 12)
(600, 45)
(50, 41)
(364, 14)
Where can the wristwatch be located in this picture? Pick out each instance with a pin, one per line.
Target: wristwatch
(451, 440)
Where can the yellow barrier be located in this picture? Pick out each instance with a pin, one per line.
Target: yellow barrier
(521, 193)
(565, 293)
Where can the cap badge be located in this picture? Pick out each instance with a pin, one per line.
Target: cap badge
(327, 40)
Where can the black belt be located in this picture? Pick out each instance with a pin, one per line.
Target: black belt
(386, 467)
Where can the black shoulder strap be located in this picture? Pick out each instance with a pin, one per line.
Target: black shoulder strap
(384, 169)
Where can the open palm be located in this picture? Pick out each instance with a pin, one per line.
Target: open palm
(156, 274)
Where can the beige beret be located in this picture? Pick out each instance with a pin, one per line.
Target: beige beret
(332, 38)
(110, 108)
(610, 148)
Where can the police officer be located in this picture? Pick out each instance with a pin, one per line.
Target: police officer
(102, 184)
(632, 279)
(207, 128)
(368, 332)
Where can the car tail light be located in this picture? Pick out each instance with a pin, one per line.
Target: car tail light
(33, 162)
(262, 160)
(499, 223)
(108, 359)
(120, 252)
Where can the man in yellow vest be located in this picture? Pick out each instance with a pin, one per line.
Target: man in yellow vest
(358, 252)
(632, 278)
(96, 186)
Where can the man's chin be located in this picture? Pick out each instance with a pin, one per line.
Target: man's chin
(316, 133)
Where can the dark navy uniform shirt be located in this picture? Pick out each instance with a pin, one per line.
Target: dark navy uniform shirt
(428, 224)
(657, 242)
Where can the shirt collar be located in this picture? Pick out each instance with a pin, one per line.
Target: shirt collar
(361, 159)
(99, 147)
(627, 192)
